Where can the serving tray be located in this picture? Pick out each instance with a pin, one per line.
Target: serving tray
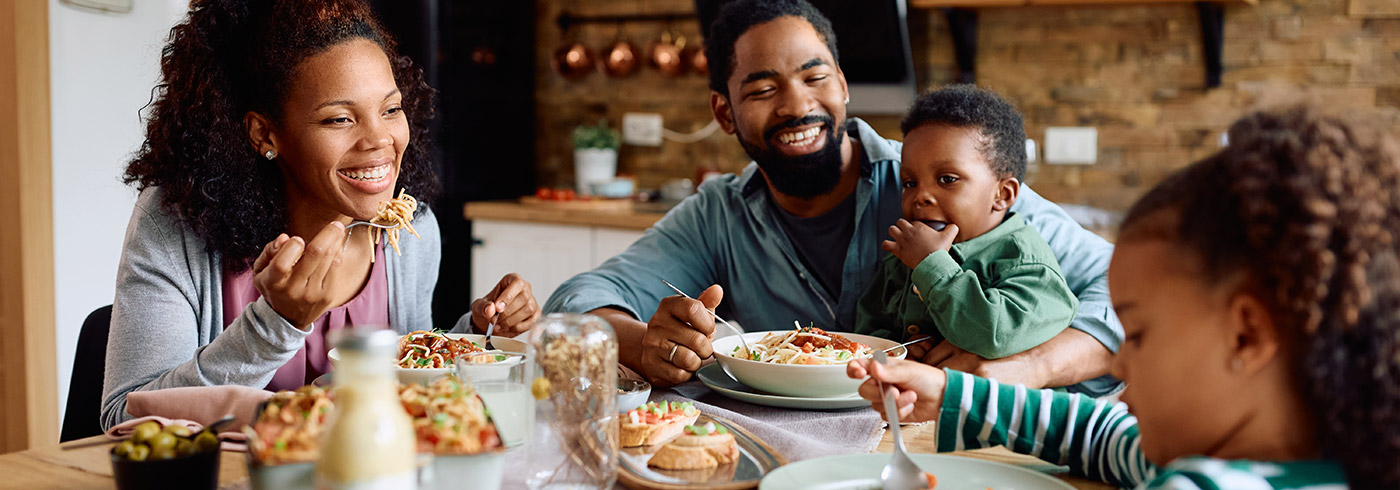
(756, 460)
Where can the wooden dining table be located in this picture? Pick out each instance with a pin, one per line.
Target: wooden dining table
(84, 464)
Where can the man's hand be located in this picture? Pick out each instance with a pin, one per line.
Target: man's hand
(918, 387)
(510, 305)
(297, 277)
(914, 241)
(919, 350)
(678, 337)
(1070, 357)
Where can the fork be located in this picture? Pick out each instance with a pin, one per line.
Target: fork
(490, 326)
(716, 315)
(346, 245)
(900, 473)
(367, 223)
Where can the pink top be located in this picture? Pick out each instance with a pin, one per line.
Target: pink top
(369, 307)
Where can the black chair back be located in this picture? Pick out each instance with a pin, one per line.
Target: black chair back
(82, 418)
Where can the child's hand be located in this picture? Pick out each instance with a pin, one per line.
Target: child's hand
(918, 387)
(914, 241)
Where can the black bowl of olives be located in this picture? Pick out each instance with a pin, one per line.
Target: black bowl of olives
(169, 457)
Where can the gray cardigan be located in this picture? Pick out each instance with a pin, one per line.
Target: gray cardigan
(168, 322)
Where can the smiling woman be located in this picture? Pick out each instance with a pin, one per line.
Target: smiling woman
(276, 124)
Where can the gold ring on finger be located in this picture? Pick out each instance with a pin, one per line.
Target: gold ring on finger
(672, 358)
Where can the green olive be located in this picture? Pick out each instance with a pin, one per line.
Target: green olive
(206, 441)
(145, 431)
(178, 430)
(122, 449)
(185, 448)
(160, 441)
(139, 452)
(162, 453)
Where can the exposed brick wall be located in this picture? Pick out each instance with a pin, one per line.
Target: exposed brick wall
(1134, 72)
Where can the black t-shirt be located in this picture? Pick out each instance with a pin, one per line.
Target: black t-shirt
(822, 241)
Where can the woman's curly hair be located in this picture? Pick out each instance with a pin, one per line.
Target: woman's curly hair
(228, 57)
(1307, 206)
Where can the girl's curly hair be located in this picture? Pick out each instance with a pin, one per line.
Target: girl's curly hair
(1307, 205)
(228, 57)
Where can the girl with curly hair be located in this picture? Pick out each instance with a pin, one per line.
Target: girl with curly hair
(276, 124)
(1260, 293)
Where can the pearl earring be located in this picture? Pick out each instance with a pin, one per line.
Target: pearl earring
(270, 154)
(848, 100)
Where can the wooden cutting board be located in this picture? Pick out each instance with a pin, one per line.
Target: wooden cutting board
(585, 204)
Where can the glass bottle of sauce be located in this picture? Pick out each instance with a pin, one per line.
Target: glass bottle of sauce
(370, 443)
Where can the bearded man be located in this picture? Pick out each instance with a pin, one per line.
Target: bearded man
(796, 235)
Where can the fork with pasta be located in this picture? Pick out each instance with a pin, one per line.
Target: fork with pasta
(393, 215)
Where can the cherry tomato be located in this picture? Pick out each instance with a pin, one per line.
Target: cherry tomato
(565, 194)
(544, 194)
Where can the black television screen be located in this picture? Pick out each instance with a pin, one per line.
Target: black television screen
(873, 44)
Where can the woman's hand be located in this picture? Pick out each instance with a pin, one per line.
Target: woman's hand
(296, 276)
(918, 387)
(510, 305)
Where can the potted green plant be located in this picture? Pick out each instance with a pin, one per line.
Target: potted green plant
(595, 155)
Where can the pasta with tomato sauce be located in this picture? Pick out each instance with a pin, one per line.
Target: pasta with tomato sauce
(805, 345)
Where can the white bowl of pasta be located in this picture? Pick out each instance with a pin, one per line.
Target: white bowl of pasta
(804, 362)
(435, 355)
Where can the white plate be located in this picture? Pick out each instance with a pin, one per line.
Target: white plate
(862, 472)
(795, 379)
(426, 376)
(714, 377)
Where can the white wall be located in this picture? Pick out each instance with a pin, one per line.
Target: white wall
(101, 70)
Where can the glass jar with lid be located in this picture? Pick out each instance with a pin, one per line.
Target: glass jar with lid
(575, 441)
(369, 443)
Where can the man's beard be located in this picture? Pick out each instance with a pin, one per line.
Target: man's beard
(803, 176)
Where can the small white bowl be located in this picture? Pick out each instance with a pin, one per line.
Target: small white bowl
(426, 376)
(795, 379)
(632, 393)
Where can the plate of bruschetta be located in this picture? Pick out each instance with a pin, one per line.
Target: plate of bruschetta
(672, 445)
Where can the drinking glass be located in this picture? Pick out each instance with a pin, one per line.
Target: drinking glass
(504, 387)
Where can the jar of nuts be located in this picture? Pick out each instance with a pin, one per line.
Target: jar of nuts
(575, 441)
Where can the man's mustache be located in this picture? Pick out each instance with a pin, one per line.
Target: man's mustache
(802, 121)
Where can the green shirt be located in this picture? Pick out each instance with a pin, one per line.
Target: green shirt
(995, 295)
(1099, 441)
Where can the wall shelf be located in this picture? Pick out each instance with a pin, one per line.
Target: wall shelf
(962, 24)
(1025, 3)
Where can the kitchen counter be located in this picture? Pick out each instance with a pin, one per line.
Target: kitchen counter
(639, 216)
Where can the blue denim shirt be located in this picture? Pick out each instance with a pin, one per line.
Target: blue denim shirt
(728, 233)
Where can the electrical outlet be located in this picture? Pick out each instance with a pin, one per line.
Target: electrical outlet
(1071, 145)
(641, 129)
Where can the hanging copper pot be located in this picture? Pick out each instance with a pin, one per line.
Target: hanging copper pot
(620, 59)
(666, 56)
(698, 62)
(573, 61)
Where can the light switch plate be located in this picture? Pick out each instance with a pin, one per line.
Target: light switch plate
(641, 129)
(1071, 145)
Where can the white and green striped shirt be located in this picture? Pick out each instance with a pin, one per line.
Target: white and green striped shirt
(1099, 441)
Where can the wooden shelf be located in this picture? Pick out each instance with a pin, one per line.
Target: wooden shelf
(962, 25)
(925, 4)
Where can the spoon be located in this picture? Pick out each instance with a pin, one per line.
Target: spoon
(900, 473)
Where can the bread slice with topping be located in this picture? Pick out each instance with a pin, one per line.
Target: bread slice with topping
(700, 447)
(655, 423)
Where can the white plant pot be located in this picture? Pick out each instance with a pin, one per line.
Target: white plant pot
(593, 165)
